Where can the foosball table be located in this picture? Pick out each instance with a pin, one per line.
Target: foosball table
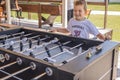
(28, 54)
(4, 27)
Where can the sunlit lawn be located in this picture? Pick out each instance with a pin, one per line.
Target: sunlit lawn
(113, 22)
(111, 7)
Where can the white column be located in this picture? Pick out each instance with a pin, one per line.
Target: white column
(64, 13)
(8, 11)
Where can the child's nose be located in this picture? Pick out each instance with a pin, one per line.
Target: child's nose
(77, 13)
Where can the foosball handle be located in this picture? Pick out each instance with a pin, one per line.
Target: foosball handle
(30, 43)
(21, 36)
(60, 46)
(48, 53)
(38, 43)
(11, 48)
(21, 46)
(31, 54)
(11, 35)
(4, 40)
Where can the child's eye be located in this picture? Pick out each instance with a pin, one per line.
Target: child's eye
(79, 10)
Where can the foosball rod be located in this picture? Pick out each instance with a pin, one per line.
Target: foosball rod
(5, 36)
(12, 37)
(65, 51)
(13, 74)
(32, 66)
(15, 38)
(9, 74)
(20, 36)
(44, 45)
(79, 45)
(18, 61)
(24, 39)
(30, 48)
(48, 72)
(8, 65)
(52, 48)
(37, 46)
(39, 76)
(66, 61)
(68, 50)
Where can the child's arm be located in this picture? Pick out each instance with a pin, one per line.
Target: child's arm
(61, 30)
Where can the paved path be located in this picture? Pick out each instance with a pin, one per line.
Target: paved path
(109, 12)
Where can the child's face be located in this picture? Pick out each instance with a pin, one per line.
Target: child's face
(79, 12)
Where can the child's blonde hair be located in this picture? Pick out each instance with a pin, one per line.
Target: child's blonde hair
(81, 2)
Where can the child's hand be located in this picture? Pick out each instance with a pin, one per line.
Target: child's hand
(108, 37)
(53, 30)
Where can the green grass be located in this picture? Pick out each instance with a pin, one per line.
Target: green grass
(111, 7)
(113, 22)
(35, 16)
(114, 7)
